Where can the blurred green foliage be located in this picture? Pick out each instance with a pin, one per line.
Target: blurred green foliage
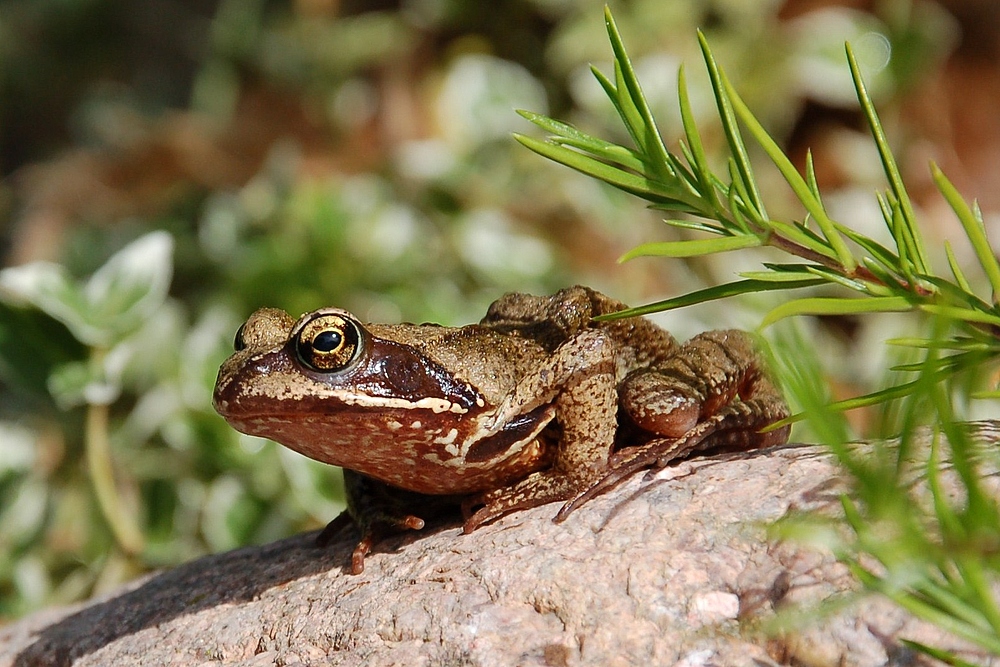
(299, 155)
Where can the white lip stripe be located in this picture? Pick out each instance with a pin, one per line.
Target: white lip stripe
(435, 405)
(296, 390)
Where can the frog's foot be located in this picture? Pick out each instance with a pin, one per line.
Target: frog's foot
(378, 510)
(375, 532)
(657, 453)
(537, 489)
(371, 534)
(735, 427)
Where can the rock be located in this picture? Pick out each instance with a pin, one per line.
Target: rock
(671, 568)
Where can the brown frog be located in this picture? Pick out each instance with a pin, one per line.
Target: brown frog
(536, 403)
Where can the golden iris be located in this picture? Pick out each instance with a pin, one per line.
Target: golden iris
(327, 343)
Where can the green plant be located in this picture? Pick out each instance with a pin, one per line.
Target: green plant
(103, 314)
(950, 547)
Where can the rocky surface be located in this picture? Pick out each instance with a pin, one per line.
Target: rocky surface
(672, 568)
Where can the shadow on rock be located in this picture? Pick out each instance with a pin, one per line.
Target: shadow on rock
(231, 577)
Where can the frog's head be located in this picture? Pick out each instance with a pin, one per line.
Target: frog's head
(329, 387)
(292, 380)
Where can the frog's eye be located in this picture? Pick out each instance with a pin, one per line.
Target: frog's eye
(327, 343)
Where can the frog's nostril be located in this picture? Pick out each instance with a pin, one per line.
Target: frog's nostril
(238, 343)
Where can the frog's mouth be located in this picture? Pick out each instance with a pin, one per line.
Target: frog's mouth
(233, 404)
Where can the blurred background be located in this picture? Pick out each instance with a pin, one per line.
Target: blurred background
(306, 153)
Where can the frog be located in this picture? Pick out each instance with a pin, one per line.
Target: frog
(544, 400)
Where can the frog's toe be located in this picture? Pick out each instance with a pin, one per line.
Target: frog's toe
(362, 549)
(490, 513)
(376, 532)
(476, 511)
(372, 532)
(477, 519)
(492, 506)
(537, 489)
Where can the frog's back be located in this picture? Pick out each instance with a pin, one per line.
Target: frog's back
(552, 320)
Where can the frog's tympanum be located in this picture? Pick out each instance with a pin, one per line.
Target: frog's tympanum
(536, 403)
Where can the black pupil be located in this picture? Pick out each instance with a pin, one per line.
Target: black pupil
(327, 341)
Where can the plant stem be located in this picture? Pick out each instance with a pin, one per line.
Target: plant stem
(98, 447)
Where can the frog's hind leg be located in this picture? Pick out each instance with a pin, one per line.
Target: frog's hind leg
(717, 373)
(714, 393)
(727, 429)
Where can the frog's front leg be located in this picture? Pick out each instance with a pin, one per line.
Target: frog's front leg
(378, 510)
(582, 378)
